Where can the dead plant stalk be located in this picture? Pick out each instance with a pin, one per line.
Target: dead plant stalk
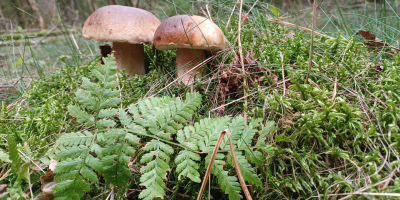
(242, 61)
(312, 39)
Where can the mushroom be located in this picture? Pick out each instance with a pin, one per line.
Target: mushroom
(128, 28)
(191, 35)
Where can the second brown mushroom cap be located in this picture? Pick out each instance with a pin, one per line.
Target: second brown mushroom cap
(190, 35)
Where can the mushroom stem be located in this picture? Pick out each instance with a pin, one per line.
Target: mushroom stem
(129, 57)
(186, 59)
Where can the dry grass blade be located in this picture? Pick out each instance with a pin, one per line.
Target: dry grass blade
(279, 21)
(210, 164)
(283, 74)
(237, 168)
(5, 174)
(242, 61)
(368, 193)
(315, 7)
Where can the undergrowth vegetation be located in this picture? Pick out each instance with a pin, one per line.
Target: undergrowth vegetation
(337, 135)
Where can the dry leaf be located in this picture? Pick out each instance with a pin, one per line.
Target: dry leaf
(245, 17)
(36, 168)
(288, 121)
(290, 34)
(47, 183)
(53, 164)
(3, 188)
(373, 41)
(327, 160)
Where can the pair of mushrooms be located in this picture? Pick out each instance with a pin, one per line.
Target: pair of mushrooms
(129, 28)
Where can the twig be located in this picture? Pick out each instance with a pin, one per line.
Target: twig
(5, 174)
(101, 194)
(242, 60)
(312, 40)
(182, 195)
(2, 170)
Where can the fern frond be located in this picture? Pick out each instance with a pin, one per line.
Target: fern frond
(85, 98)
(246, 136)
(66, 176)
(186, 165)
(248, 172)
(187, 137)
(117, 155)
(74, 139)
(83, 117)
(116, 170)
(72, 152)
(236, 127)
(94, 163)
(177, 112)
(229, 184)
(104, 123)
(71, 189)
(269, 128)
(68, 165)
(71, 174)
(124, 118)
(111, 102)
(106, 73)
(112, 149)
(155, 170)
(93, 88)
(164, 116)
(107, 113)
(152, 178)
(210, 129)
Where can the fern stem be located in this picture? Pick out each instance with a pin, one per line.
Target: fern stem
(155, 137)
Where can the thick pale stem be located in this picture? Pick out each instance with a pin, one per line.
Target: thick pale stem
(129, 57)
(186, 59)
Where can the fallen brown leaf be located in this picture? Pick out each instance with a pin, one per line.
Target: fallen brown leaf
(47, 183)
(3, 188)
(245, 17)
(375, 43)
(290, 34)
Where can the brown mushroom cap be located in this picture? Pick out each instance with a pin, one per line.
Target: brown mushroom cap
(197, 32)
(124, 24)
